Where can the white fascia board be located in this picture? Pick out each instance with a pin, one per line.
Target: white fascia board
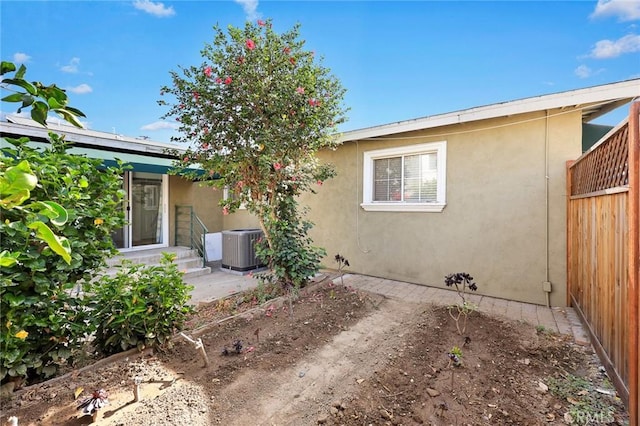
(614, 92)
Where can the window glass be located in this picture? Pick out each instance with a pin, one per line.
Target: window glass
(408, 178)
(388, 175)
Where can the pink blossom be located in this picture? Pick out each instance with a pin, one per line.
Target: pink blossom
(185, 160)
(277, 166)
(240, 184)
(250, 44)
(300, 90)
(181, 106)
(196, 95)
(218, 80)
(228, 80)
(225, 210)
(241, 60)
(314, 102)
(261, 23)
(319, 182)
(205, 146)
(207, 71)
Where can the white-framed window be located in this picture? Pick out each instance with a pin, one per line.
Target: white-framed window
(405, 179)
(227, 193)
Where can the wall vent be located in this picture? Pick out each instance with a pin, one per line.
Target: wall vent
(238, 249)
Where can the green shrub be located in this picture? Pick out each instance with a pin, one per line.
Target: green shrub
(57, 212)
(141, 306)
(76, 203)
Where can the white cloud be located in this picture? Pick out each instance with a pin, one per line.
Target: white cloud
(605, 49)
(625, 10)
(81, 89)
(21, 58)
(159, 125)
(582, 71)
(250, 8)
(155, 9)
(72, 66)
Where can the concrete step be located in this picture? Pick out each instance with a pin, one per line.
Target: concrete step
(153, 256)
(186, 259)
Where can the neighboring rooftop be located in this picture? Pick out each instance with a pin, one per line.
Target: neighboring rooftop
(86, 138)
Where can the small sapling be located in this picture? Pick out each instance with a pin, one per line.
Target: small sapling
(462, 282)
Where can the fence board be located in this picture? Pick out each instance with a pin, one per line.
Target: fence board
(603, 252)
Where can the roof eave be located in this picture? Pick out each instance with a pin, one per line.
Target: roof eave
(606, 98)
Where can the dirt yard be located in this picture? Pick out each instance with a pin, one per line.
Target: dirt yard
(345, 358)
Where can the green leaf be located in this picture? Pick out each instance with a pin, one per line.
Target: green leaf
(54, 211)
(20, 73)
(21, 176)
(7, 67)
(59, 245)
(69, 117)
(8, 259)
(15, 199)
(30, 88)
(14, 97)
(49, 370)
(14, 299)
(39, 113)
(16, 184)
(27, 100)
(54, 104)
(57, 93)
(75, 111)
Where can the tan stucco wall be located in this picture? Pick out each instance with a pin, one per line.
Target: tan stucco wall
(203, 199)
(240, 219)
(494, 225)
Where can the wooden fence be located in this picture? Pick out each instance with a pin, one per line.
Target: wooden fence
(603, 251)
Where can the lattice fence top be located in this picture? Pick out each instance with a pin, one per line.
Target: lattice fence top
(607, 166)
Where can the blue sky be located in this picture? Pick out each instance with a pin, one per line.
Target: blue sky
(397, 60)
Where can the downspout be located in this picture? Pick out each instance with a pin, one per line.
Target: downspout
(546, 286)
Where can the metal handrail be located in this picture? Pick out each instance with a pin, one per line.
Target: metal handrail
(197, 231)
(197, 238)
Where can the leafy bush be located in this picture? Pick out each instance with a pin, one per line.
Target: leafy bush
(291, 256)
(140, 307)
(52, 244)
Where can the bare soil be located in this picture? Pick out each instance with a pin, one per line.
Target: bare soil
(345, 357)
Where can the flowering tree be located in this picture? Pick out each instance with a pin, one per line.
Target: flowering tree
(255, 113)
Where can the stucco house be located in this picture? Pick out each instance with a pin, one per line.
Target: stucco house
(481, 190)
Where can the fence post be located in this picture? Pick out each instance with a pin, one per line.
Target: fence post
(634, 261)
(569, 231)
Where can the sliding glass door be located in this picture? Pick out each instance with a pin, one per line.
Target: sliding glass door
(145, 210)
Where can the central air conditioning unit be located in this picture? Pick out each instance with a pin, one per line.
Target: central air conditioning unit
(238, 249)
